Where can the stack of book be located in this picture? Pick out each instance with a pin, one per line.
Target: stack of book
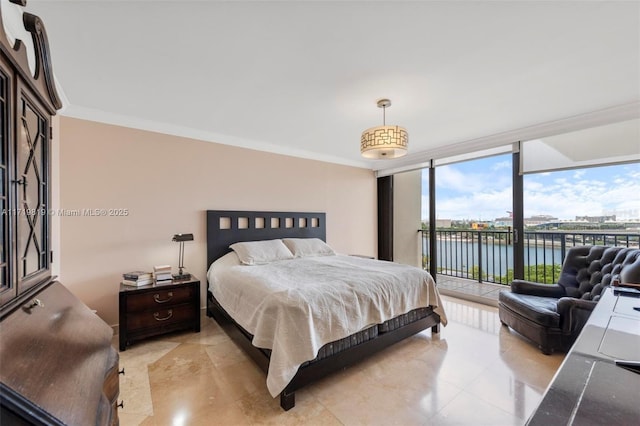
(137, 278)
(162, 273)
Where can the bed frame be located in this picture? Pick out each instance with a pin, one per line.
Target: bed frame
(227, 227)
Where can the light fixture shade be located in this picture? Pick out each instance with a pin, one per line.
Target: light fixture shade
(383, 142)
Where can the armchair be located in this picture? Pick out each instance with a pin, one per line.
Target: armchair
(552, 316)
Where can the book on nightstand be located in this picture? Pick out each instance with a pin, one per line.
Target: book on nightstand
(162, 274)
(163, 277)
(137, 283)
(137, 278)
(137, 275)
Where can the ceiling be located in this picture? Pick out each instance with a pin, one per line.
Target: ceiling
(302, 78)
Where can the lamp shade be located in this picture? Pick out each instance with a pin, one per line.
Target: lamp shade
(383, 142)
(182, 237)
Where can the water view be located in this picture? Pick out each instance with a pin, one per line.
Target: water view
(489, 256)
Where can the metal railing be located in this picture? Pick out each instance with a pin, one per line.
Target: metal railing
(487, 256)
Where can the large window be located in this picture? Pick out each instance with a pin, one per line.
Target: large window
(473, 218)
(474, 193)
(591, 198)
(588, 206)
(512, 211)
(475, 225)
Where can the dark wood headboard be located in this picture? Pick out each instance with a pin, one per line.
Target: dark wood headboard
(225, 227)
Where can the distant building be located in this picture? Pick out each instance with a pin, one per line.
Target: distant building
(539, 219)
(443, 223)
(628, 215)
(503, 222)
(596, 219)
(480, 225)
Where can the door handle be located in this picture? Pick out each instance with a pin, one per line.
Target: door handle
(22, 181)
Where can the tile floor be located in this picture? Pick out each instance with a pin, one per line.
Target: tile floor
(474, 372)
(463, 288)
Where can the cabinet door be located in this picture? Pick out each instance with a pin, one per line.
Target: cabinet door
(7, 289)
(33, 193)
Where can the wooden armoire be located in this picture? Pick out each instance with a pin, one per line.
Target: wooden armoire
(57, 364)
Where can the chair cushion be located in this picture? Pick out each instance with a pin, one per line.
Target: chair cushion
(541, 310)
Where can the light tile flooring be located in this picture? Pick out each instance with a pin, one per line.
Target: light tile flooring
(474, 372)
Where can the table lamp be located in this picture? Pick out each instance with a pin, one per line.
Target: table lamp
(181, 238)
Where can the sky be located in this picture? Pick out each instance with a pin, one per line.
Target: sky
(481, 190)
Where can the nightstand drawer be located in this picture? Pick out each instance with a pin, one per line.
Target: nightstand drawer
(161, 317)
(159, 298)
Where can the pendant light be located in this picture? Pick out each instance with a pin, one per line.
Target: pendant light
(384, 142)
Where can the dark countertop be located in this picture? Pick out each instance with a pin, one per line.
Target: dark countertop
(589, 388)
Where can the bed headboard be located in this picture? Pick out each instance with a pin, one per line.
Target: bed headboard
(225, 227)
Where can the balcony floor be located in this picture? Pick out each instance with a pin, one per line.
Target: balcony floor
(485, 293)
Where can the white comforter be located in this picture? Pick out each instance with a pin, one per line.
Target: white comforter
(294, 307)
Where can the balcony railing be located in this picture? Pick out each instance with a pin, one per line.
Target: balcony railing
(487, 256)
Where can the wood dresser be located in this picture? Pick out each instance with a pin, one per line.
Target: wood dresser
(57, 365)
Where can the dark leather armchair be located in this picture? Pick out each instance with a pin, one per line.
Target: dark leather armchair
(553, 315)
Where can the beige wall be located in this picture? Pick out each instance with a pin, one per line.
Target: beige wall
(166, 183)
(407, 208)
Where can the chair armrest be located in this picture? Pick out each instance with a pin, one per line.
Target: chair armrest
(537, 289)
(574, 313)
(565, 304)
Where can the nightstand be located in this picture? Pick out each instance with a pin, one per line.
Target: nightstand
(156, 309)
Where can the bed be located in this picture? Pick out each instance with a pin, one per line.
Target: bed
(225, 228)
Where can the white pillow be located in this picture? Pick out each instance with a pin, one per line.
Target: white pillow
(261, 252)
(302, 247)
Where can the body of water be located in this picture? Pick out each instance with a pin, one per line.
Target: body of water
(496, 258)
(459, 253)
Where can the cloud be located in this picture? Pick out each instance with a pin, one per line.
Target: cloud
(566, 198)
(480, 205)
(451, 178)
(502, 165)
(485, 192)
(577, 174)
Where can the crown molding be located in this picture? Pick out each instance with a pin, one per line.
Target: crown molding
(91, 114)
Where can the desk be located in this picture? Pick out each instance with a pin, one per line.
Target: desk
(589, 388)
